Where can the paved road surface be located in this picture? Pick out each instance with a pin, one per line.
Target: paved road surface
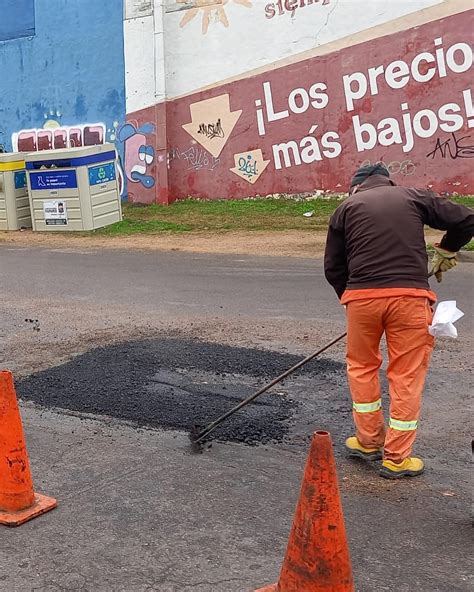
(137, 512)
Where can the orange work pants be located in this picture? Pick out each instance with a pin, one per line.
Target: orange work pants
(404, 320)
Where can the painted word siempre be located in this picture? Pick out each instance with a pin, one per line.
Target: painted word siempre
(211, 130)
(452, 148)
(289, 6)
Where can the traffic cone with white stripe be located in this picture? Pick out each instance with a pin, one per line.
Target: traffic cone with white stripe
(18, 502)
(317, 558)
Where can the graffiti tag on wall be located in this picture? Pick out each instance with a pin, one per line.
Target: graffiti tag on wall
(197, 159)
(403, 167)
(454, 147)
(250, 165)
(212, 122)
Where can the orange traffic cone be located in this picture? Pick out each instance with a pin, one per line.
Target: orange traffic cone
(18, 502)
(317, 558)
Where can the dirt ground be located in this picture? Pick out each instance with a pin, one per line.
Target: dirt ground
(289, 243)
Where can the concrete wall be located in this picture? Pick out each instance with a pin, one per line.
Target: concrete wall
(214, 43)
(267, 97)
(63, 82)
(234, 98)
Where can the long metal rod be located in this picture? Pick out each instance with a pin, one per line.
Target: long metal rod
(212, 426)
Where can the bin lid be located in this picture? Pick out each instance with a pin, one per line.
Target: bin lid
(68, 153)
(12, 161)
(69, 158)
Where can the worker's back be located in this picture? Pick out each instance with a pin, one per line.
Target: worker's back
(376, 237)
(385, 242)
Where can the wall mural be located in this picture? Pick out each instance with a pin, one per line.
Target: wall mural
(139, 154)
(53, 135)
(136, 154)
(308, 125)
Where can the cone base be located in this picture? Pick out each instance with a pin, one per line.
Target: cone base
(272, 588)
(41, 505)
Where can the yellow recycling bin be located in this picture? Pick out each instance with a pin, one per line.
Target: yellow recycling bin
(14, 203)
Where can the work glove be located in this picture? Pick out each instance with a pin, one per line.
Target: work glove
(442, 261)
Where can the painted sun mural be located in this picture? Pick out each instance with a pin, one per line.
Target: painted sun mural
(212, 10)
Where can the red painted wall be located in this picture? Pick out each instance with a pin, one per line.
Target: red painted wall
(443, 160)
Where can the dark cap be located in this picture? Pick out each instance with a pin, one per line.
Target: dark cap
(367, 171)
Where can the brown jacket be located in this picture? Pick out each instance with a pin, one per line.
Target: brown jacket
(376, 236)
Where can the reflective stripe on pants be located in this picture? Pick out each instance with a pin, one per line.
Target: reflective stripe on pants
(403, 426)
(367, 407)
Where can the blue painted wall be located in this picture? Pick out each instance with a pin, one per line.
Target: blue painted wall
(18, 18)
(70, 71)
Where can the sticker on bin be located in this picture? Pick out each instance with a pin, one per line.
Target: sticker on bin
(55, 213)
(53, 180)
(20, 180)
(103, 173)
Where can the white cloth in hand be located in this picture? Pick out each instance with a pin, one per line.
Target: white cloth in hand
(445, 315)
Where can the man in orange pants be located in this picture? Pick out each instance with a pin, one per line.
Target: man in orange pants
(376, 261)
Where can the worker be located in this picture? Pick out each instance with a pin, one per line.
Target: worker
(376, 261)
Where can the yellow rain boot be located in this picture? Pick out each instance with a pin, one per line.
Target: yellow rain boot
(356, 449)
(410, 467)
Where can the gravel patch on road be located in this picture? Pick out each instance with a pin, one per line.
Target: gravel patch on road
(177, 383)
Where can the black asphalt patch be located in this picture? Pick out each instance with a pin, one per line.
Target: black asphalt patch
(175, 383)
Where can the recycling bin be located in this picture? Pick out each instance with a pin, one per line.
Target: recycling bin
(73, 189)
(14, 203)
